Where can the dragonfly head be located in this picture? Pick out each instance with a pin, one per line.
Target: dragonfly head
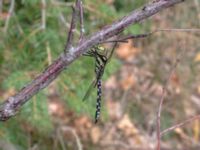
(101, 50)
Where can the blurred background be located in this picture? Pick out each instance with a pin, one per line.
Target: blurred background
(33, 34)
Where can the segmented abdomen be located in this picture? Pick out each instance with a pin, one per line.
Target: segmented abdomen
(98, 103)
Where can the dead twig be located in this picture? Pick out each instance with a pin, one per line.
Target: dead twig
(162, 100)
(137, 36)
(73, 131)
(178, 30)
(180, 124)
(11, 106)
(60, 138)
(161, 103)
(82, 30)
(68, 45)
(61, 16)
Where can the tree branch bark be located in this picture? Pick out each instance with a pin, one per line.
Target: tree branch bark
(11, 106)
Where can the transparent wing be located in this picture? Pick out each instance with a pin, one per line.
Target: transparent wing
(92, 86)
(112, 51)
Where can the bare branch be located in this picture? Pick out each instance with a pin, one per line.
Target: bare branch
(144, 35)
(136, 36)
(82, 30)
(72, 28)
(162, 98)
(73, 131)
(179, 124)
(13, 104)
(178, 30)
(161, 102)
(61, 16)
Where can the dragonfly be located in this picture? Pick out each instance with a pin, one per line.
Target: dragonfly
(101, 56)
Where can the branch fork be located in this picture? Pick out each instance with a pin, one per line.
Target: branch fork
(11, 106)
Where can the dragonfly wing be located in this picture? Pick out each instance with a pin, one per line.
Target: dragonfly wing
(112, 51)
(92, 85)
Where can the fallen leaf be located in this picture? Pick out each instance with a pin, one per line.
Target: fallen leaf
(4, 15)
(83, 121)
(110, 134)
(175, 80)
(127, 126)
(128, 82)
(56, 109)
(196, 129)
(9, 92)
(197, 57)
(180, 132)
(95, 134)
(127, 51)
(111, 83)
(156, 89)
(114, 109)
(83, 125)
(136, 140)
(198, 89)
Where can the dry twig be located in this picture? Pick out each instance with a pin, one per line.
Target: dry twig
(179, 124)
(72, 27)
(82, 30)
(162, 99)
(10, 12)
(73, 131)
(10, 107)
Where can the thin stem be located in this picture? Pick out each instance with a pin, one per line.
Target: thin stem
(73, 131)
(82, 30)
(72, 28)
(161, 102)
(124, 39)
(137, 36)
(112, 51)
(179, 124)
(178, 30)
(61, 16)
(113, 41)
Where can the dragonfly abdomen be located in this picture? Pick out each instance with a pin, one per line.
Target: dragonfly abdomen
(98, 103)
(101, 59)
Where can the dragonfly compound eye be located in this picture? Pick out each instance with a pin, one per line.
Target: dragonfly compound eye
(101, 49)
